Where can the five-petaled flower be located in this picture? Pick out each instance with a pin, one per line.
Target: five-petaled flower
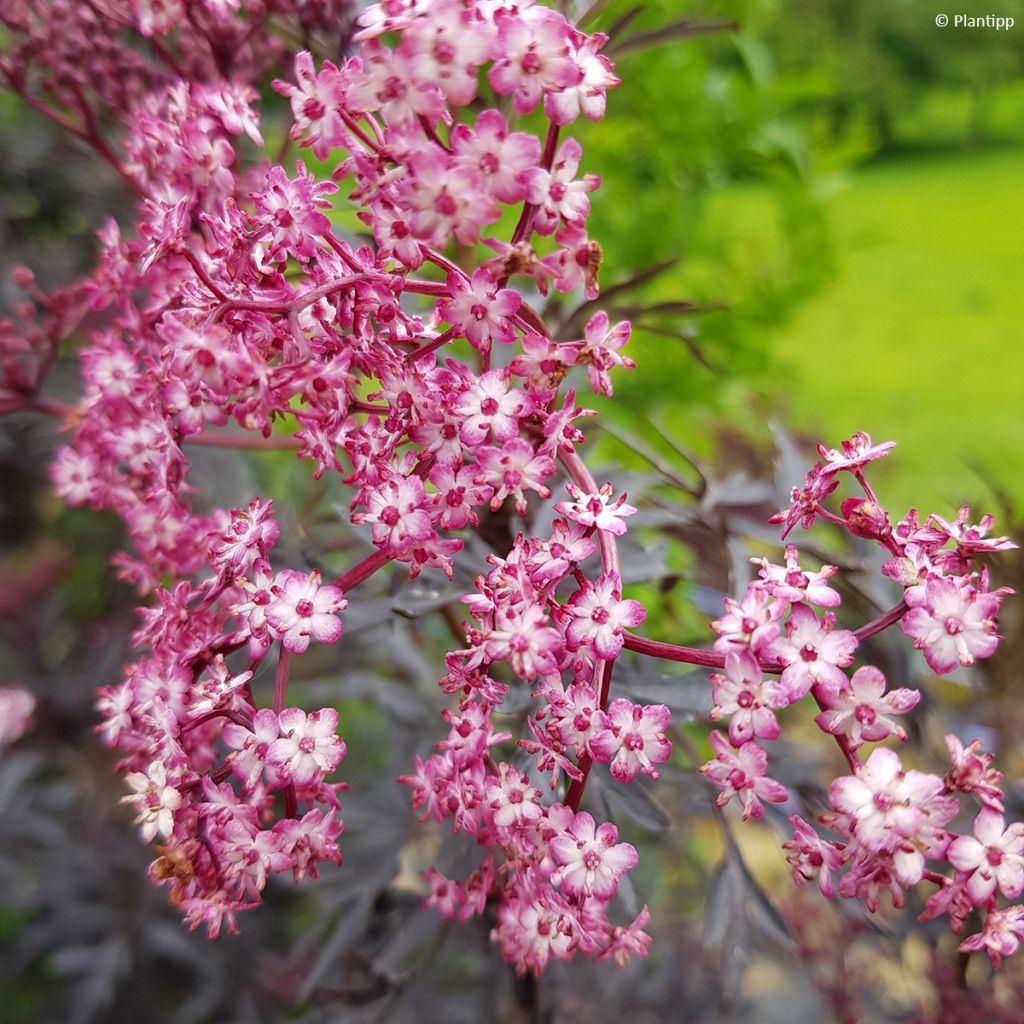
(303, 609)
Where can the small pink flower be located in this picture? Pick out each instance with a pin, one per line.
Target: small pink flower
(590, 858)
(888, 806)
(558, 196)
(791, 583)
(599, 615)
(633, 739)
(971, 540)
(751, 623)
(488, 406)
(742, 773)
(17, 710)
(534, 49)
(863, 710)
(953, 623)
(498, 155)
(593, 509)
(479, 309)
(813, 652)
(513, 801)
(812, 857)
(971, 771)
(1001, 936)
(302, 609)
(307, 747)
(601, 351)
(993, 856)
(155, 800)
(742, 695)
(855, 454)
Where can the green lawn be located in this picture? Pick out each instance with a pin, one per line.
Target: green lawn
(919, 336)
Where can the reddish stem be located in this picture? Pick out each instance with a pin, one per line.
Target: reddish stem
(363, 570)
(525, 226)
(582, 477)
(576, 787)
(203, 276)
(284, 664)
(893, 615)
(248, 442)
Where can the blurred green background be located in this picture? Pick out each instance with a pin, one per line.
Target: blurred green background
(846, 177)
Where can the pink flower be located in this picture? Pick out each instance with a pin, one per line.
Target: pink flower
(521, 635)
(806, 501)
(742, 773)
(513, 469)
(855, 454)
(479, 309)
(594, 511)
(302, 609)
(250, 536)
(558, 196)
(813, 652)
(307, 747)
(628, 942)
(1001, 935)
(316, 100)
(17, 710)
(534, 56)
(498, 155)
(742, 695)
(791, 583)
(445, 48)
(488, 406)
(600, 350)
(888, 806)
(599, 615)
(632, 739)
(751, 623)
(954, 624)
(250, 748)
(514, 803)
(397, 511)
(993, 856)
(590, 858)
(971, 771)
(587, 97)
(443, 199)
(382, 80)
(863, 709)
(971, 540)
(155, 800)
(576, 262)
(289, 214)
(812, 857)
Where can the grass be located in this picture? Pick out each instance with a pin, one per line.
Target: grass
(918, 338)
(915, 337)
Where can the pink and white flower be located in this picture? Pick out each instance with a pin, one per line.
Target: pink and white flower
(633, 739)
(304, 610)
(953, 623)
(307, 747)
(863, 710)
(590, 858)
(742, 773)
(992, 857)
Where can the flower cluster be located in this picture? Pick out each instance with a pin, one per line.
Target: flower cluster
(778, 649)
(238, 314)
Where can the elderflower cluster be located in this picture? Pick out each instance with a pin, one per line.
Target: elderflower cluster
(892, 822)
